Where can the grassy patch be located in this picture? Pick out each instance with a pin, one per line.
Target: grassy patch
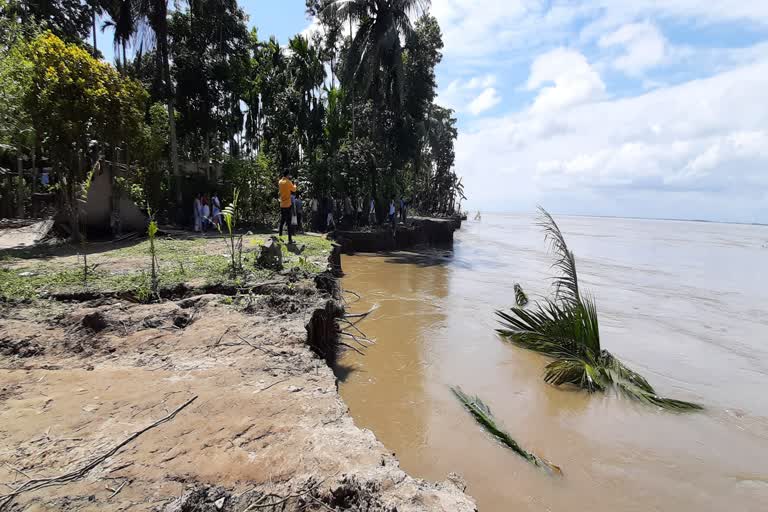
(198, 261)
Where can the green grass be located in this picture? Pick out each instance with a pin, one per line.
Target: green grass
(199, 261)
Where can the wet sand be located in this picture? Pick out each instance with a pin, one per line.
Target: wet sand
(682, 303)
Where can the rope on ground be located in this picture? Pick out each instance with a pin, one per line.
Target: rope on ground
(39, 483)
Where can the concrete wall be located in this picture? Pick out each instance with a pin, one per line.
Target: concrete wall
(98, 209)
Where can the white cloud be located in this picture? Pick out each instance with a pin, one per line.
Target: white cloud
(573, 80)
(486, 100)
(463, 96)
(704, 140)
(644, 47)
(473, 29)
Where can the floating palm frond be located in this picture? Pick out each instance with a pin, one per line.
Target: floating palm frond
(567, 329)
(482, 413)
(521, 299)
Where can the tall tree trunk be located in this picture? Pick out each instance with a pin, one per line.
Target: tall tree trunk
(35, 176)
(171, 117)
(93, 21)
(20, 184)
(353, 84)
(125, 61)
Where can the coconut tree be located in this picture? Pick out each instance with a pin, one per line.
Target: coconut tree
(566, 328)
(374, 61)
(153, 15)
(122, 21)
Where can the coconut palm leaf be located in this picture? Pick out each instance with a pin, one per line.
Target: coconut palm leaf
(567, 283)
(553, 329)
(521, 299)
(629, 390)
(567, 329)
(578, 372)
(482, 413)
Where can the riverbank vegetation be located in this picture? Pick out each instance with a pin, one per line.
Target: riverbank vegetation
(566, 328)
(196, 102)
(142, 270)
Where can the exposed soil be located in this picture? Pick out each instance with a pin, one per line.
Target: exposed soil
(267, 431)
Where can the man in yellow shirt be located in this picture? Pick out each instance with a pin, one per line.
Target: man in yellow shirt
(286, 187)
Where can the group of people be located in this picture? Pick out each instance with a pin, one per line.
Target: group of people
(206, 212)
(325, 211)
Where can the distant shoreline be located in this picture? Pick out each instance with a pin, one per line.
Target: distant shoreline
(491, 212)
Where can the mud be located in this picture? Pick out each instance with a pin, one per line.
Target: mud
(268, 430)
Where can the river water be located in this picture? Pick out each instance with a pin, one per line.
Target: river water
(683, 303)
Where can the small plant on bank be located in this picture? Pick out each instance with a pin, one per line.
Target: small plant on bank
(229, 214)
(566, 328)
(154, 267)
(482, 414)
(82, 219)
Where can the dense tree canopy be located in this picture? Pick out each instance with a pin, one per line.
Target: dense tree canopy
(349, 109)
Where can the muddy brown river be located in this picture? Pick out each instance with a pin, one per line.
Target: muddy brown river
(684, 303)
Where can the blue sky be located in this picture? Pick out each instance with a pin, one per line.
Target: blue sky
(610, 107)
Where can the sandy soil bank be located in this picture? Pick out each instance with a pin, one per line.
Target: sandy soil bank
(263, 429)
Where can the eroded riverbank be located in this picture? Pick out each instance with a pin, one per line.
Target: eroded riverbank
(264, 428)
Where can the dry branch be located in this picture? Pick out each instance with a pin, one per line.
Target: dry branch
(39, 483)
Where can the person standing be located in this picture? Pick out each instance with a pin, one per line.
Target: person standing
(286, 187)
(372, 212)
(205, 216)
(314, 206)
(359, 217)
(298, 205)
(392, 219)
(216, 210)
(329, 217)
(348, 218)
(197, 213)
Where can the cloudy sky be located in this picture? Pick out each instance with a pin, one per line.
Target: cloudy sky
(650, 108)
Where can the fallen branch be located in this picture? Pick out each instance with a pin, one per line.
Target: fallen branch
(39, 483)
(361, 315)
(348, 346)
(354, 326)
(273, 384)
(114, 493)
(257, 347)
(358, 338)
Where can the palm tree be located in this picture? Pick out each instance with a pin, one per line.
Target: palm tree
(374, 61)
(122, 20)
(566, 328)
(376, 50)
(154, 16)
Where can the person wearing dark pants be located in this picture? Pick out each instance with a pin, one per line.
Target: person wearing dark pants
(298, 205)
(286, 187)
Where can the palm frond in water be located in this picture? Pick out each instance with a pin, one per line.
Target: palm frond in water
(567, 282)
(566, 328)
(482, 413)
(521, 299)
